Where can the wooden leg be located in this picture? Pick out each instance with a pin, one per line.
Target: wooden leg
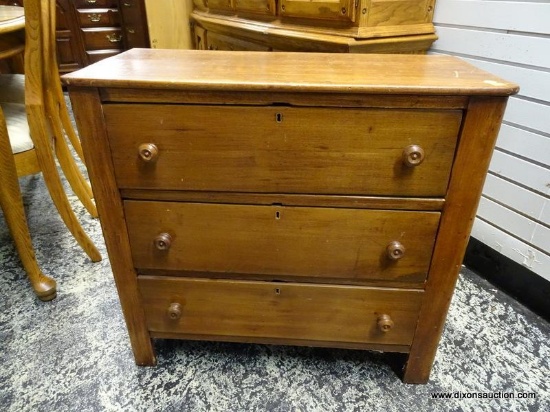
(78, 183)
(68, 126)
(14, 212)
(36, 117)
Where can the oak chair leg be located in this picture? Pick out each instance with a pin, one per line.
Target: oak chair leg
(14, 212)
(55, 98)
(78, 183)
(53, 182)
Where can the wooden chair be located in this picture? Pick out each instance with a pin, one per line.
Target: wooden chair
(47, 84)
(38, 123)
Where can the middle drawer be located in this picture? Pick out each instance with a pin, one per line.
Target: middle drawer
(278, 242)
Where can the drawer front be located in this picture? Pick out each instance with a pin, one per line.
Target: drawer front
(282, 149)
(256, 6)
(281, 242)
(103, 38)
(98, 17)
(280, 310)
(338, 10)
(83, 4)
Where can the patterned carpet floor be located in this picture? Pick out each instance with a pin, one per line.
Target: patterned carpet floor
(73, 353)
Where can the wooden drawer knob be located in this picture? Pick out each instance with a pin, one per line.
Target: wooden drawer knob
(413, 155)
(395, 250)
(174, 311)
(385, 323)
(148, 152)
(163, 241)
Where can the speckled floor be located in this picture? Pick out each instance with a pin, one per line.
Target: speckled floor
(73, 354)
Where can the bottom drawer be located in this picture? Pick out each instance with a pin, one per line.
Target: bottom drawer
(294, 313)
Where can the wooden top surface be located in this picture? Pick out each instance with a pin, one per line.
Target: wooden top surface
(290, 72)
(11, 18)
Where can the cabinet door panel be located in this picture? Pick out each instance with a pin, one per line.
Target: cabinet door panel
(399, 12)
(326, 10)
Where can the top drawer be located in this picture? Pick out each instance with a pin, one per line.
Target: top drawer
(98, 17)
(283, 149)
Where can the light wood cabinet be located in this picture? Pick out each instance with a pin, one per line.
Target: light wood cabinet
(287, 198)
(349, 26)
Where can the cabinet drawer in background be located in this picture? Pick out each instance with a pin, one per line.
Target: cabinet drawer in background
(286, 311)
(338, 10)
(98, 17)
(283, 149)
(103, 38)
(277, 242)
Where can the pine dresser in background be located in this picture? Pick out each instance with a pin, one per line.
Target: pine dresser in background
(287, 198)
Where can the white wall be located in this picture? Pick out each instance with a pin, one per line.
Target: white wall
(512, 40)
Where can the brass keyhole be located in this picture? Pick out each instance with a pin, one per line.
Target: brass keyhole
(278, 117)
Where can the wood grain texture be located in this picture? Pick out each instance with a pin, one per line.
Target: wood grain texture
(282, 311)
(232, 71)
(477, 140)
(285, 199)
(87, 110)
(168, 23)
(338, 99)
(276, 240)
(282, 35)
(282, 150)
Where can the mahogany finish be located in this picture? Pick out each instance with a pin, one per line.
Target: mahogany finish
(244, 200)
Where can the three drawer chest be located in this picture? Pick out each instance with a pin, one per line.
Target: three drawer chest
(287, 198)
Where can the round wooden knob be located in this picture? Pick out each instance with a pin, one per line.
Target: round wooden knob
(148, 152)
(395, 250)
(413, 155)
(174, 311)
(384, 323)
(163, 241)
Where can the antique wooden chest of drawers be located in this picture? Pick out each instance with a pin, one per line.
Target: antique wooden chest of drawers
(287, 198)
